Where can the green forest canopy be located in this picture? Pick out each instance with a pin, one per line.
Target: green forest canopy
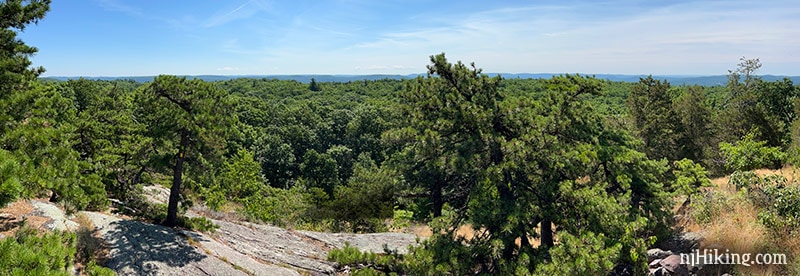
(590, 163)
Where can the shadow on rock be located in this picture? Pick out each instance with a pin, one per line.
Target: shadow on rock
(8, 223)
(144, 249)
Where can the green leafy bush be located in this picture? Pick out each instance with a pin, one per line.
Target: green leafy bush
(402, 218)
(239, 178)
(743, 179)
(780, 208)
(367, 199)
(748, 154)
(774, 195)
(277, 206)
(760, 189)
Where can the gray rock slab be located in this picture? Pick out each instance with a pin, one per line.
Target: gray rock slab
(373, 242)
(138, 248)
(156, 194)
(58, 219)
(276, 246)
(226, 253)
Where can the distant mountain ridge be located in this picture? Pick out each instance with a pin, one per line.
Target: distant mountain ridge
(710, 80)
(672, 79)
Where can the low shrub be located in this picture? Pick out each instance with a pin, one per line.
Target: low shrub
(748, 154)
(711, 205)
(761, 216)
(93, 269)
(780, 205)
(198, 224)
(401, 219)
(27, 253)
(277, 206)
(774, 196)
(743, 179)
(368, 263)
(88, 246)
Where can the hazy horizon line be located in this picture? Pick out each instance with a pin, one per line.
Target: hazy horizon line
(399, 74)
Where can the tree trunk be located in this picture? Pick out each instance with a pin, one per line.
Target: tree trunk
(175, 191)
(436, 198)
(547, 232)
(53, 196)
(507, 199)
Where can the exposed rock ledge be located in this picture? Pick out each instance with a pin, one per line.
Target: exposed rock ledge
(236, 248)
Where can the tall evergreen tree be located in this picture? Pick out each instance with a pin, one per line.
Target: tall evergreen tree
(314, 86)
(654, 119)
(695, 119)
(776, 100)
(191, 117)
(741, 112)
(36, 121)
(15, 16)
(560, 164)
(523, 169)
(451, 111)
(108, 135)
(15, 71)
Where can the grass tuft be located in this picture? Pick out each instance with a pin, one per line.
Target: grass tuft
(729, 219)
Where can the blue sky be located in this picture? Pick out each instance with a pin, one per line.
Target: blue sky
(237, 37)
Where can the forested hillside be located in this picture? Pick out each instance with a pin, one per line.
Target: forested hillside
(570, 175)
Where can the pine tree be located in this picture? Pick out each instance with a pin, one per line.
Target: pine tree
(314, 86)
(451, 111)
(522, 169)
(654, 119)
(190, 116)
(695, 119)
(36, 121)
(15, 16)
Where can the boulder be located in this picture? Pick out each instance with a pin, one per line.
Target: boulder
(683, 243)
(659, 272)
(672, 264)
(655, 263)
(657, 253)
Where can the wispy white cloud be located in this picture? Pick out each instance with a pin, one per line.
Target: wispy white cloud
(651, 39)
(612, 36)
(242, 11)
(184, 22)
(118, 6)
